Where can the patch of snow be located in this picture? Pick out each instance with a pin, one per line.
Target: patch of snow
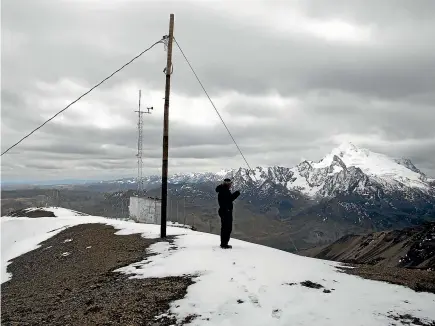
(178, 225)
(247, 285)
(63, 212)
(336, 169)
(67, 240)
(223, 173)
(257, 175)
(300, 183)
(58, 211)
(66, 254)
(20, 235)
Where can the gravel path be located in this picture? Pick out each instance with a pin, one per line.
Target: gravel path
(69, 280)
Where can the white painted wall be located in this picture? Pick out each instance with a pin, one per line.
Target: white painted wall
(145, 210)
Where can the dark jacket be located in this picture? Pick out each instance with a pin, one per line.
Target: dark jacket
(225, 197)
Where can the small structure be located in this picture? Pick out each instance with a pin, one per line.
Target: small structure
(145, 209)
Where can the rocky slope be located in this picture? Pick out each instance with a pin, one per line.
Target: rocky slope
(412, 247)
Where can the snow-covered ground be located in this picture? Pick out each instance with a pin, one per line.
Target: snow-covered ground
(248, 285)
(58, 211)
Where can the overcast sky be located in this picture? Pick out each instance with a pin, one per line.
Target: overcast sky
(292, 80)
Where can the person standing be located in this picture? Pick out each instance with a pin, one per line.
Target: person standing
(225, 199)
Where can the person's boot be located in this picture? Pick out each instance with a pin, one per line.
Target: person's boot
(226, 246)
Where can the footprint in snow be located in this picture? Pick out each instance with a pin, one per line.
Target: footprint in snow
(276, 313)
(254, 300)
(252, 297)
(243, 272)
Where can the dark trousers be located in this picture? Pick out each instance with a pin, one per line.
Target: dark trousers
(226, 226)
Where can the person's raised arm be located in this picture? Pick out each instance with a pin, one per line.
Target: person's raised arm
(234, 195)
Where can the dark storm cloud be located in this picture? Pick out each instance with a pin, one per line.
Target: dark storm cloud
(382, 87)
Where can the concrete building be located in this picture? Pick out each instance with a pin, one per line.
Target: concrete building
(145, 209)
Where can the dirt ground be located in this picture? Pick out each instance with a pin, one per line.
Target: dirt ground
(69, 280)
(416, 279)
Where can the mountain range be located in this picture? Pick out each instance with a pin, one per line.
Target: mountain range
(350, 190)
(347, 169)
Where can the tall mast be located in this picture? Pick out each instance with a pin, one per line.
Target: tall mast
(140, 188)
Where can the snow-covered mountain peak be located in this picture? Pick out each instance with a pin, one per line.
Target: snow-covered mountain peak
(346, 169)
(349, 168)
(374, 164)
(347, 152)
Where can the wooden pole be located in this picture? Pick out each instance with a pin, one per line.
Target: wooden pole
(166, 129)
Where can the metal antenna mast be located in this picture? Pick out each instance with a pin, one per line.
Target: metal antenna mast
(139, 146)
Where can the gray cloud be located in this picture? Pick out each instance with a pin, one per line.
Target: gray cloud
(378, 93)
(383, 13)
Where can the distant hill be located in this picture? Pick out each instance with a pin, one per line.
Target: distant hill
(412, 247)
